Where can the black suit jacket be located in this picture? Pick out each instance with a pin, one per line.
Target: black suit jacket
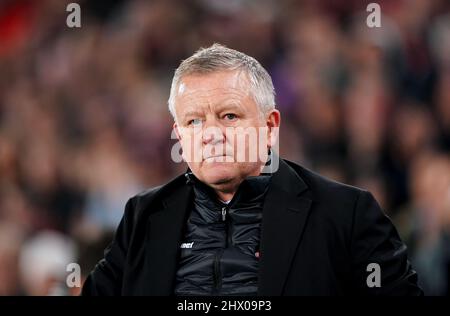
(318, 238)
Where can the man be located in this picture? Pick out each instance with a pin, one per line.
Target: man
(234, 224)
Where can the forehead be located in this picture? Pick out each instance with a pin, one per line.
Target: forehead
(215, 87)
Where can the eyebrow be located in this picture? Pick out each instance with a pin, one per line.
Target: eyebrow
(223, 105)
(191, 113)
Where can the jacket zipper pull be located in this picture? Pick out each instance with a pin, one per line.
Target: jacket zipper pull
(224, 213)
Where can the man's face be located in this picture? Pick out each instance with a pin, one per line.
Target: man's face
(223, 134)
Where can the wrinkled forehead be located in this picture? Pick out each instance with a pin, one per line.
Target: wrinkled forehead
(231, 83)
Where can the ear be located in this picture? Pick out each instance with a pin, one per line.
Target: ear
(273, 122)
(177, 131)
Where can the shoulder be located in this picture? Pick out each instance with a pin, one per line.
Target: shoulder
(323, 188)
(151, 199)
(336, 201)
(341, 208)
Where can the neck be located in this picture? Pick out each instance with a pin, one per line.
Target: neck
(225, 196)
(226, 191)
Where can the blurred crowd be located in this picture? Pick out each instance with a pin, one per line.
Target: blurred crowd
(84, 123)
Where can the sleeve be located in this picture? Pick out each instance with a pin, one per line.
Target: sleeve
(380, 263)
(106, 278)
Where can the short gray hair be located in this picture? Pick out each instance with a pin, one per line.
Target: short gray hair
(218, 57)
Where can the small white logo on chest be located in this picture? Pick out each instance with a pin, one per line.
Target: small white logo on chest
(187, 245)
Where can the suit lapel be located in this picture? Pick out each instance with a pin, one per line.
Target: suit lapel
(284, 217)
(164, 233)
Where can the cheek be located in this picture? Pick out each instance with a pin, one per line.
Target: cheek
(189, 138)
(191, 145)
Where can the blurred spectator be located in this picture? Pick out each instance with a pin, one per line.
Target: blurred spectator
(43, 262)
(84, 123)
(11, 240)
(425, 221)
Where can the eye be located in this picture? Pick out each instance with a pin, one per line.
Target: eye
(195, 122)
(230, 116)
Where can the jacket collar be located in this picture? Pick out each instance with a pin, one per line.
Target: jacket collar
(251, 189)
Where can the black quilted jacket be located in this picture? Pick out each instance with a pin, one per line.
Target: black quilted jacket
(220, 249)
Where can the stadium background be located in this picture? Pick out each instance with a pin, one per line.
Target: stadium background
(84, 122)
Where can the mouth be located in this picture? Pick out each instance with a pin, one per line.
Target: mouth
(217, 158)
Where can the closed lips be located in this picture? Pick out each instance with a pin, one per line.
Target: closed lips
(216, 156)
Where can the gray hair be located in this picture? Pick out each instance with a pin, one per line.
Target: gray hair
(218, 57)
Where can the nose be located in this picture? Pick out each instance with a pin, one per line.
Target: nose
(212, 132)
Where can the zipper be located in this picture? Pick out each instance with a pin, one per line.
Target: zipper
(224, 213)
(229, 239)
(228, 226)
(217, 286)
(217, 278)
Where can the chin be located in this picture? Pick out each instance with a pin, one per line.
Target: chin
(219, 172)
